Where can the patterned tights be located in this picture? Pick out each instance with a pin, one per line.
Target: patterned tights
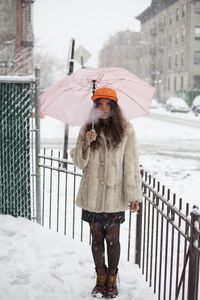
(111, 234)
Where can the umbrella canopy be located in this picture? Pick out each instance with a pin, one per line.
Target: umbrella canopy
(69, 100)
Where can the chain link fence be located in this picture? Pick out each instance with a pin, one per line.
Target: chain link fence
(17, 150)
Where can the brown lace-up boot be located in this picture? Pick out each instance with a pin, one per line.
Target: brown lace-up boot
(99, 289)
(111, 288)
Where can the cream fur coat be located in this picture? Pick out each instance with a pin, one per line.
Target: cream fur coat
(111, 178)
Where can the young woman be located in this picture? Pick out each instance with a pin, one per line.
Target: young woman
(111, 183)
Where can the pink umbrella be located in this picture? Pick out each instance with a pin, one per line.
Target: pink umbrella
(69, 100)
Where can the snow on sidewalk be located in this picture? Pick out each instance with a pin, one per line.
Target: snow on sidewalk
(37, 263)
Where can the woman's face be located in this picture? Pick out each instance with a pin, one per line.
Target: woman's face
(104, 105)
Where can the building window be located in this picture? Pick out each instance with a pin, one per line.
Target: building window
(197, 32)
(163, 42)
(182, 82)
(197, 7)
(170, 18)
(182, 59)
(161, 24)
(159, 66)
(127, 42)
(177, 37)
(197, 57)
(169, 62)
(170, 40)
(176, 60)
(153, 68)
(168, 84)
(175, 83)
(27, 1)
(177, 14)
(183, 10)
(164, 20)
(183, 35)
(196, 82)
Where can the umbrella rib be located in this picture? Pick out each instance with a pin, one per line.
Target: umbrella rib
(80, 106)
(47, 104)
(66, 91)
(122, 79)
(110, 84)
(82, 85)
(132, 100)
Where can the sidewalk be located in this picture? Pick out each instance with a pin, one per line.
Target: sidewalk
(40, 264)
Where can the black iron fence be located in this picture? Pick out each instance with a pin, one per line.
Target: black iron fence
(166, 235)
(168, 242)
(59, 186)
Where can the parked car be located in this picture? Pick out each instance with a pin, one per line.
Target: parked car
(196, 105)
(175, 104)
(154, 103)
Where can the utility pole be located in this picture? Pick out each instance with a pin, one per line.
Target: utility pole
(70, 71)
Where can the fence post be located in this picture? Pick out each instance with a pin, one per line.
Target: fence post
(70, 71)
(193, 258)
(138, 235)
(37, 144)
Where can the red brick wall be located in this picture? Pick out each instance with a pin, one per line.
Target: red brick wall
(19, 24)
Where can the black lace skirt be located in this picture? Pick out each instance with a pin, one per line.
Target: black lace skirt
(103, 218)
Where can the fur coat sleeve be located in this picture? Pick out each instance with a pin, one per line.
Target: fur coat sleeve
(78, 159)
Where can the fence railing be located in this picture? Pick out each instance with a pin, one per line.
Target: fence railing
(59, 186)
(168, 242)
(166, 237)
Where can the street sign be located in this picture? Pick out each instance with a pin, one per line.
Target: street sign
(82, 55)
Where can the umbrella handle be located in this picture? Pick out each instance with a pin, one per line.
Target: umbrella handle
(93, 86)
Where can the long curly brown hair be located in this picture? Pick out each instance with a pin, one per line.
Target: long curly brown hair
(113, 127)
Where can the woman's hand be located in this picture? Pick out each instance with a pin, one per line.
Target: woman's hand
(90, 136)
(134, 206)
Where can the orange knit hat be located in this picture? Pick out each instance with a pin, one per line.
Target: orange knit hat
(105, 92)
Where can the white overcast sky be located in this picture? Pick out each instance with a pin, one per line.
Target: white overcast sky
(90, 22)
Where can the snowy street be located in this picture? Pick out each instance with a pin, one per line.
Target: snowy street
(175, 119)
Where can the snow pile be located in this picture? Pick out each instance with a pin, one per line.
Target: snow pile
(37, 263)
(7, 78)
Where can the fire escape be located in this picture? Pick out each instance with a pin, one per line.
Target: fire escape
(156, 53)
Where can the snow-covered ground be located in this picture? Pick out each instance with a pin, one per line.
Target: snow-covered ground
(37, 263)
(41, 264)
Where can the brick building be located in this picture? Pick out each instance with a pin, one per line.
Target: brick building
(16, 37)
(170, 45)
